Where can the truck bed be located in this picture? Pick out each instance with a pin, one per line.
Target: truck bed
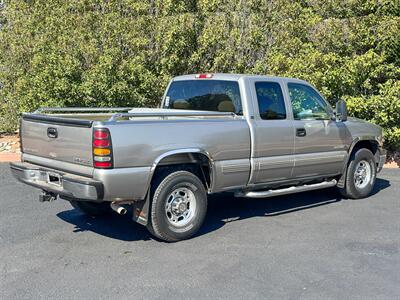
(65, 134)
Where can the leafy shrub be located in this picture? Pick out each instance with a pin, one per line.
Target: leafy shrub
(123, 52)
(382, 109)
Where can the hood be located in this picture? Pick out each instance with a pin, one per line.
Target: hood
(361, 128)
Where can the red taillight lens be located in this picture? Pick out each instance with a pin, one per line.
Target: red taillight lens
(100, 134)
(102, 149)
(103, 164)
(101, 143)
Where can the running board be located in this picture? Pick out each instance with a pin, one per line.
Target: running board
(285, 191)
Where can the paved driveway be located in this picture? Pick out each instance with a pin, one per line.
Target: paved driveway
(310, 245)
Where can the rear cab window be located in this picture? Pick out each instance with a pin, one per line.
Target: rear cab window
(271, 103)
(206, 95)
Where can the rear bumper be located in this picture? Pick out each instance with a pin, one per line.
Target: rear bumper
(71, 186)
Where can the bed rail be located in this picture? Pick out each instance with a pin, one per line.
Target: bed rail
(173, 113)
(43, 110)
(63, 115)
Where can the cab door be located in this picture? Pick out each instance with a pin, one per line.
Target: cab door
(320, 141)
(273, 134)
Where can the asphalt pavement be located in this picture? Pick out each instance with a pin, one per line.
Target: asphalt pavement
(312, 245)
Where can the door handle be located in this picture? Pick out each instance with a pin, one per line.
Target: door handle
(301, 132)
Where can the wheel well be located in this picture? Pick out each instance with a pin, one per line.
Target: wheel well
(371, 145)
(196, 163)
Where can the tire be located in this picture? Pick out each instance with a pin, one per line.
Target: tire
(178, 207)
(362, 164)
(91, 208)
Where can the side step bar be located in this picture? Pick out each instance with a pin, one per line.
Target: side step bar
(285, 191)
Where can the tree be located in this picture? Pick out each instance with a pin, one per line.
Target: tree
(123, 52)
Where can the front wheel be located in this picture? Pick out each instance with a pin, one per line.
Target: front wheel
(178, 207)
(360, 176)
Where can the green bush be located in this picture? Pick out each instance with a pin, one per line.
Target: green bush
(123, 52)
(382, 109)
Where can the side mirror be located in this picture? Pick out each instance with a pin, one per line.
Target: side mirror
(341, 111)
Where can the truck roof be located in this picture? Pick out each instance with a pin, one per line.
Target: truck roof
(235, 77)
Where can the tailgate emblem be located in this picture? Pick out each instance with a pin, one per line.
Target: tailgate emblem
(52, 132)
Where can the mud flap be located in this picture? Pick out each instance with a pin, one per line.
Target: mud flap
(342, 179)
(141, 210)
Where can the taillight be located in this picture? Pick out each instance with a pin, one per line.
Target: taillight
(102, 149)
(101, 152)
(100, 134)
(101, 143)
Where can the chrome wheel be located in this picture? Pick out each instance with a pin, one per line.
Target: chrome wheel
(180, 207)
(362, 174)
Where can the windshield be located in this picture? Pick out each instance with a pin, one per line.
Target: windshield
(209, 95)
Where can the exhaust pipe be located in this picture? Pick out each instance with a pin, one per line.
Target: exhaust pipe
(118, 208)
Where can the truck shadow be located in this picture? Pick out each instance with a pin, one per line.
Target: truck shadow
(222, 209)
(112, 225)
(225, 208)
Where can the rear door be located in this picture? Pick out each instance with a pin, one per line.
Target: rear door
(273, 133)
(320, 141)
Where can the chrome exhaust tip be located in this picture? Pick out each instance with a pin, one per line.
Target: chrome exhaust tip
(118, 208)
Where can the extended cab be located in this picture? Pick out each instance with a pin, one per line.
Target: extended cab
(256, 136)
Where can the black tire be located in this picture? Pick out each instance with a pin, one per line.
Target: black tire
(351, 189)
(177, 183)
(91, 208)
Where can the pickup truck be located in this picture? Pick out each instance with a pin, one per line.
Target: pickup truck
(255, 136)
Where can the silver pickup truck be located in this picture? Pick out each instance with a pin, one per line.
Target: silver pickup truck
(255, 136)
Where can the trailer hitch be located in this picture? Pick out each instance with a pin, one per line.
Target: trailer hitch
(47, 196)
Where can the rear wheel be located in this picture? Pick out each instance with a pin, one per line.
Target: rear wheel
(91, 208)
(360, 176)
(178, 207)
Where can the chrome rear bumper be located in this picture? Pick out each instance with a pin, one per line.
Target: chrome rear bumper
(69, 185)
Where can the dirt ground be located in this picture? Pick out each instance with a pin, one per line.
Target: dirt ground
(9, 144)
(393, 160)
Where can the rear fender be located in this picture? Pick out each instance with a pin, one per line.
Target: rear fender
(141, 209)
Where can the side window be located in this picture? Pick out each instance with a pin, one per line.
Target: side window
(270, 101)
(307, 104)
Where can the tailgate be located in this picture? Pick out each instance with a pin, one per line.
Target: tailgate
(62, 139)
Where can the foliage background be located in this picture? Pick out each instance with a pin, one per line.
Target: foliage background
(123, 52)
